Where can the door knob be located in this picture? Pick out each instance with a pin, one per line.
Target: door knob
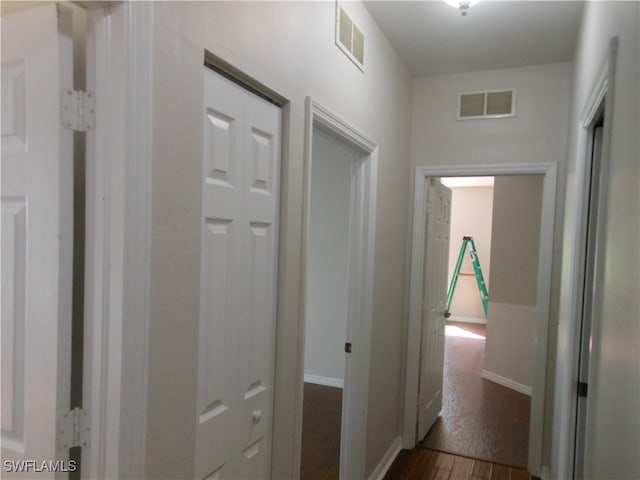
(256, 416)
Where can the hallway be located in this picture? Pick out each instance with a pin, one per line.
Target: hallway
(479, 419)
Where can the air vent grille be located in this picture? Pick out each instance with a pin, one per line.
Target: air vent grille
(487, 104)
(358, 45)
(472, 105)
(349, 38)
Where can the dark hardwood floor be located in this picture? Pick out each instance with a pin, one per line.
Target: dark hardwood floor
(482, 433)
(423, 464)
(479, 419)
(321, 422)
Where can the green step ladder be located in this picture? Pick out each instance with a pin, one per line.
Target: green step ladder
(475, 261)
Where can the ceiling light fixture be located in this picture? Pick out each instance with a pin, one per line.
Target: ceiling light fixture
(462, 5)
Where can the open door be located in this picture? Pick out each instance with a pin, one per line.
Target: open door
(434, 301)
(36, 251)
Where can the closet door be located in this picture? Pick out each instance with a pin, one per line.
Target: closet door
(238, 282)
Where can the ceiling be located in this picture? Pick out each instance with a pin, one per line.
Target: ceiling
(434, 39)
(453, 182)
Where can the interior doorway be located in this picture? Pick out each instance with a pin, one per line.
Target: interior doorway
(596, 165)
(327, 305)
(542, 295)
(486, 401)
(339, 231)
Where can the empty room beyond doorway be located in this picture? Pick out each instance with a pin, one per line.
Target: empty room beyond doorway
(488, 364)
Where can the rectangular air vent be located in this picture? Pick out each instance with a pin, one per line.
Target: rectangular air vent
(349, 38)
(487, 104)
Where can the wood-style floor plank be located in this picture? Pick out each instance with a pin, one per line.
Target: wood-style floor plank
(518, 474)
(461, 468)
(480, 471)
(501, 472)
(424, 464)
(401, 465)
(443, 466)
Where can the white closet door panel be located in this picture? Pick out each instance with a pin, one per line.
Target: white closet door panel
(222, 187)
(238, 282)
(255, 461)
(219, 296)
(263, 159)
(217, 341)
(256, 367)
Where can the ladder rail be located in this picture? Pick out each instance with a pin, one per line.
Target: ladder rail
(482, 287)
(454, 278)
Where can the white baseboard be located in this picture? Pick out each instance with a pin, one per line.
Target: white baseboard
(456, 318)
(506, 382)
(387, 460)
(326, 381)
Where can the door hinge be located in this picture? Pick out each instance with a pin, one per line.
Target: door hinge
(582, 389)
(78, 110)
(75, 429)
(347, 347)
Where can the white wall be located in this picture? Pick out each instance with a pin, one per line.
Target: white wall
(538, 133)
(517, 206)
(471, 213)
(327, 259)
(288, 46)
(512, 322)
(614, 395)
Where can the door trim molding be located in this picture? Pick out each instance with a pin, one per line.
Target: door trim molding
(137, 247)
(549, 170)
(118, 239)
(360, 298)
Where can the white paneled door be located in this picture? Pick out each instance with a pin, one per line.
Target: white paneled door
(240, 194)
(434, 301)
(36, 244)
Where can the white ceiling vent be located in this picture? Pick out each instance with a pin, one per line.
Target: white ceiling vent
(487, 104)
(349, 38)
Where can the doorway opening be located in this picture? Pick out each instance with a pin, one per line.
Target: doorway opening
(488, 358)
(596, 141)
(338, 283)
(596, 130)
(542, 295)
(327, 304)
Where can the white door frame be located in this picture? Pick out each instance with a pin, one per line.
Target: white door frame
(360, 296)
(543, 294)
(118, 218)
